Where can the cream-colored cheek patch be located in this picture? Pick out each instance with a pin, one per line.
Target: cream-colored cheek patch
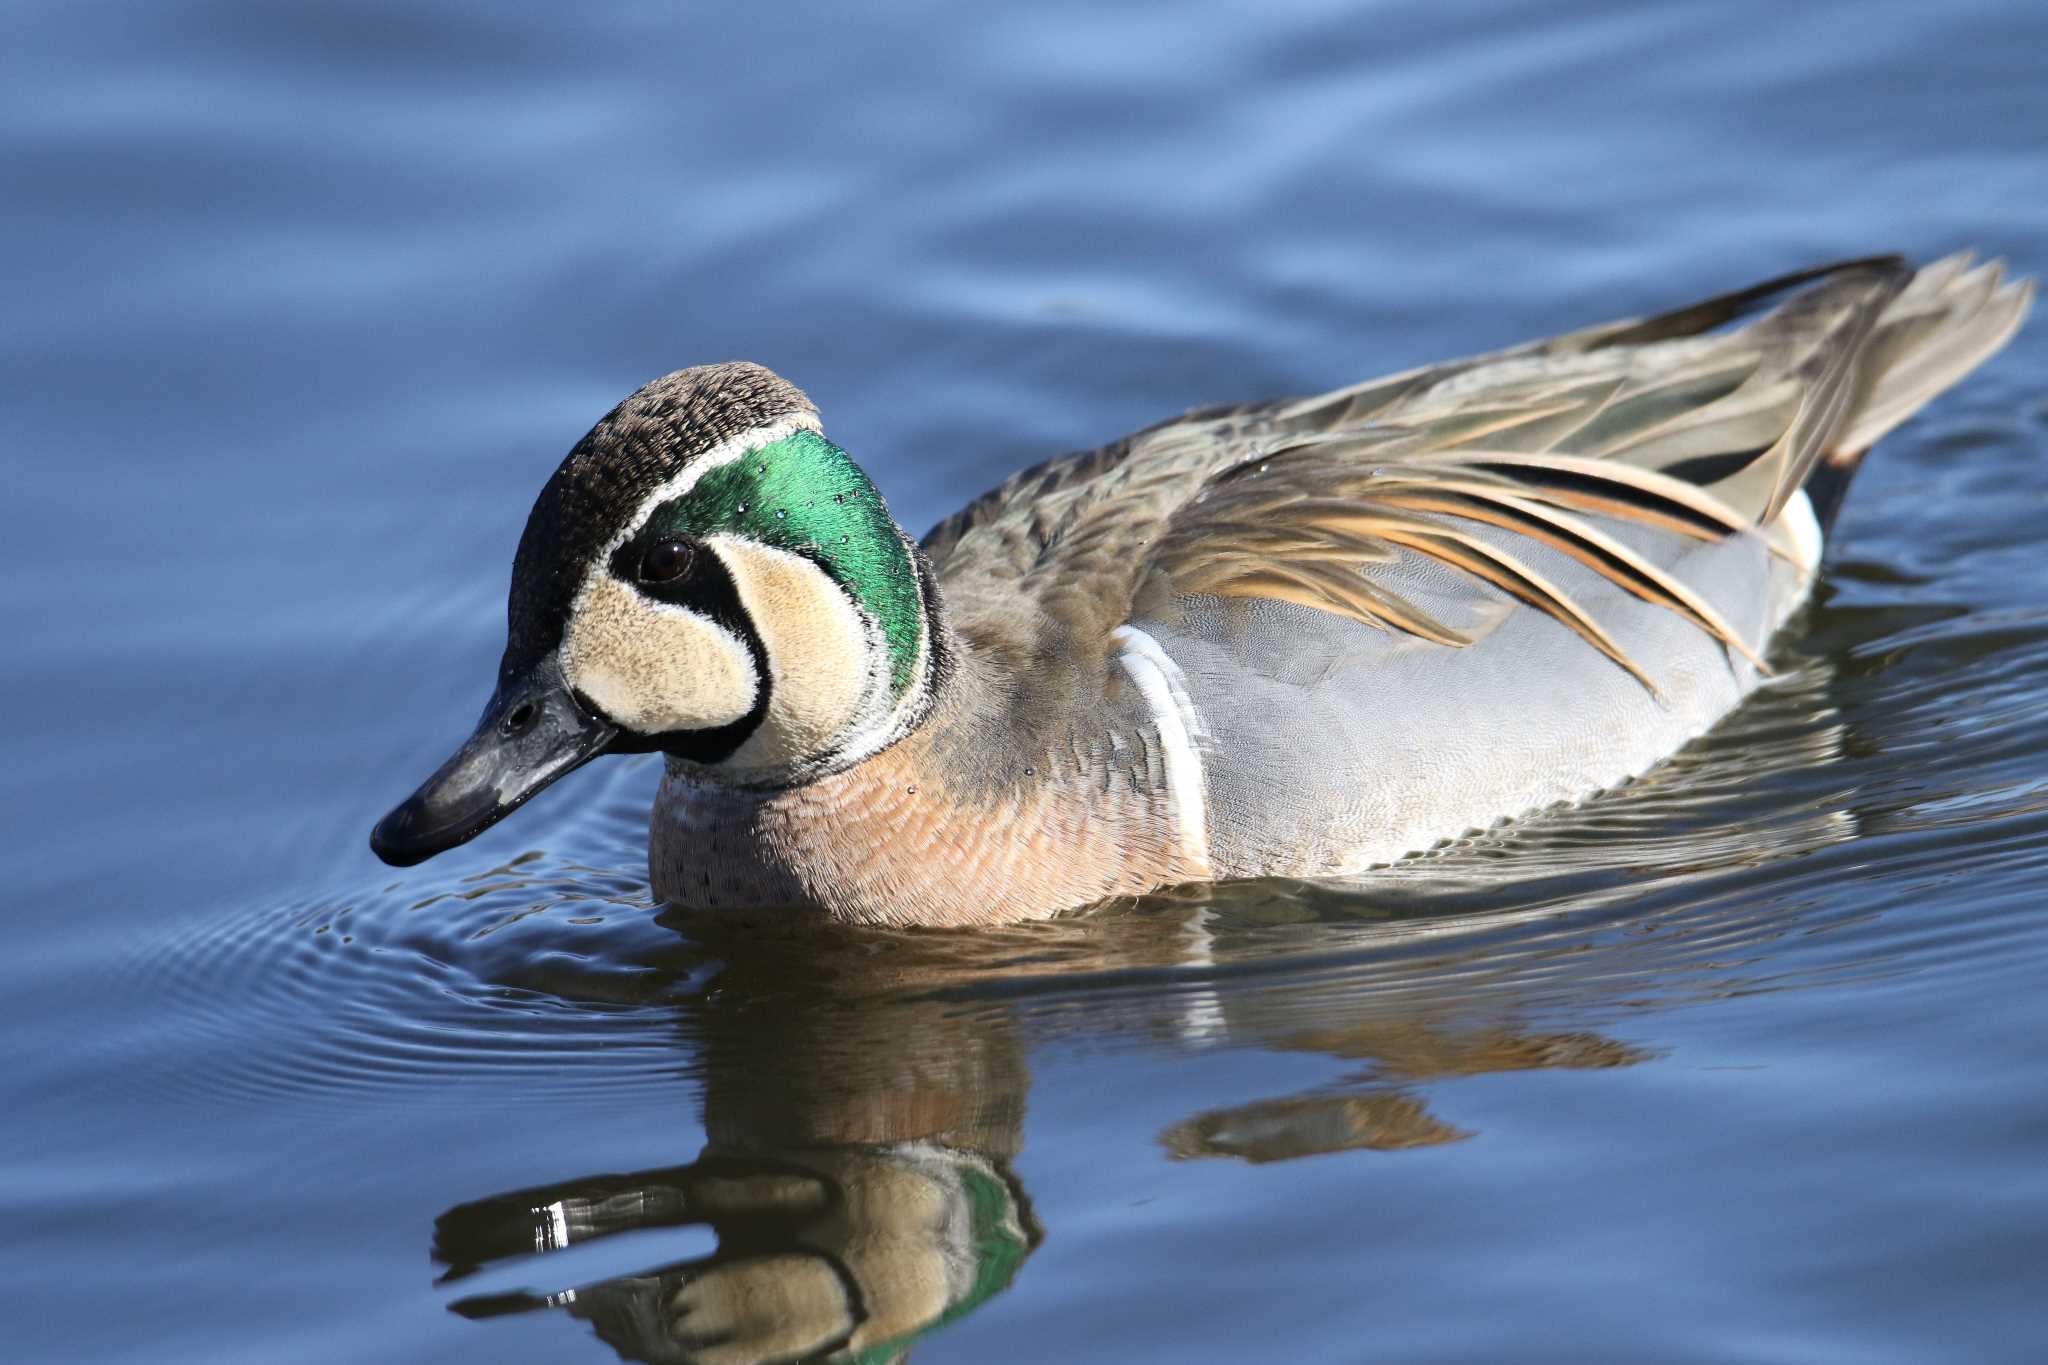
(653, 667)
(817, 651)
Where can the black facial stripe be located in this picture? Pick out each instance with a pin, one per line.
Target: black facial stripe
(708, 590)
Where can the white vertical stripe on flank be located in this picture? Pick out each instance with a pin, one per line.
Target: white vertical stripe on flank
(1161, 684)
(1803, 528)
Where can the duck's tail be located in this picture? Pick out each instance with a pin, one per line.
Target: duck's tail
(1950, 317)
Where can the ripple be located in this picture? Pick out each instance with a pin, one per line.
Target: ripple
(524, 968)
(548, 966)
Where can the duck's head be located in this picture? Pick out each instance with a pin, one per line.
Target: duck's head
(705, 575)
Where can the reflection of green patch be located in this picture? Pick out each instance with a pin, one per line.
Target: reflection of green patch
(804, 495)
(999, 1245)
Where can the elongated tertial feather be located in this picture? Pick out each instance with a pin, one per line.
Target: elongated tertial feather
(1661, 423)
(1584, 542)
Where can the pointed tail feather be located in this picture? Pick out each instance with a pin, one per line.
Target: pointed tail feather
(1949, 320)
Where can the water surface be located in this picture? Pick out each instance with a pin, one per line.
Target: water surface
(1741, 1063)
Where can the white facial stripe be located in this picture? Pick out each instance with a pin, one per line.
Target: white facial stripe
(653, 667)
(1164, 689)
(825, 669)
(719, 456)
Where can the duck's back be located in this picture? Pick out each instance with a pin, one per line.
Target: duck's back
(1392, 613)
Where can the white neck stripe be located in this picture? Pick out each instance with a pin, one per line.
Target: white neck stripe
(1164, 688)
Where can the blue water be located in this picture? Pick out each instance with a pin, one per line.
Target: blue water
(303, 302)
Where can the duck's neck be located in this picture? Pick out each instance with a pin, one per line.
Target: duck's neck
(1007, 802)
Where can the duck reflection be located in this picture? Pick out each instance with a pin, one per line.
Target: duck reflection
(856, 1176)
(1375, 1110)
(864, 1092)
(863, 1104)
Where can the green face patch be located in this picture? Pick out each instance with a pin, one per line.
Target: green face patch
(804, 495)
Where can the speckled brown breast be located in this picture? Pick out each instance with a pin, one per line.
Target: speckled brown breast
(893, 840)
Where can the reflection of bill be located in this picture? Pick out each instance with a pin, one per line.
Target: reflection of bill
(850, 1253)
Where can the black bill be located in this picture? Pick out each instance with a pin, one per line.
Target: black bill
(533, 731)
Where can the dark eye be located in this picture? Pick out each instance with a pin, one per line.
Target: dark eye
(667, 560)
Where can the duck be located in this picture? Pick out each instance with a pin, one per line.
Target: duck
(1295, 638)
